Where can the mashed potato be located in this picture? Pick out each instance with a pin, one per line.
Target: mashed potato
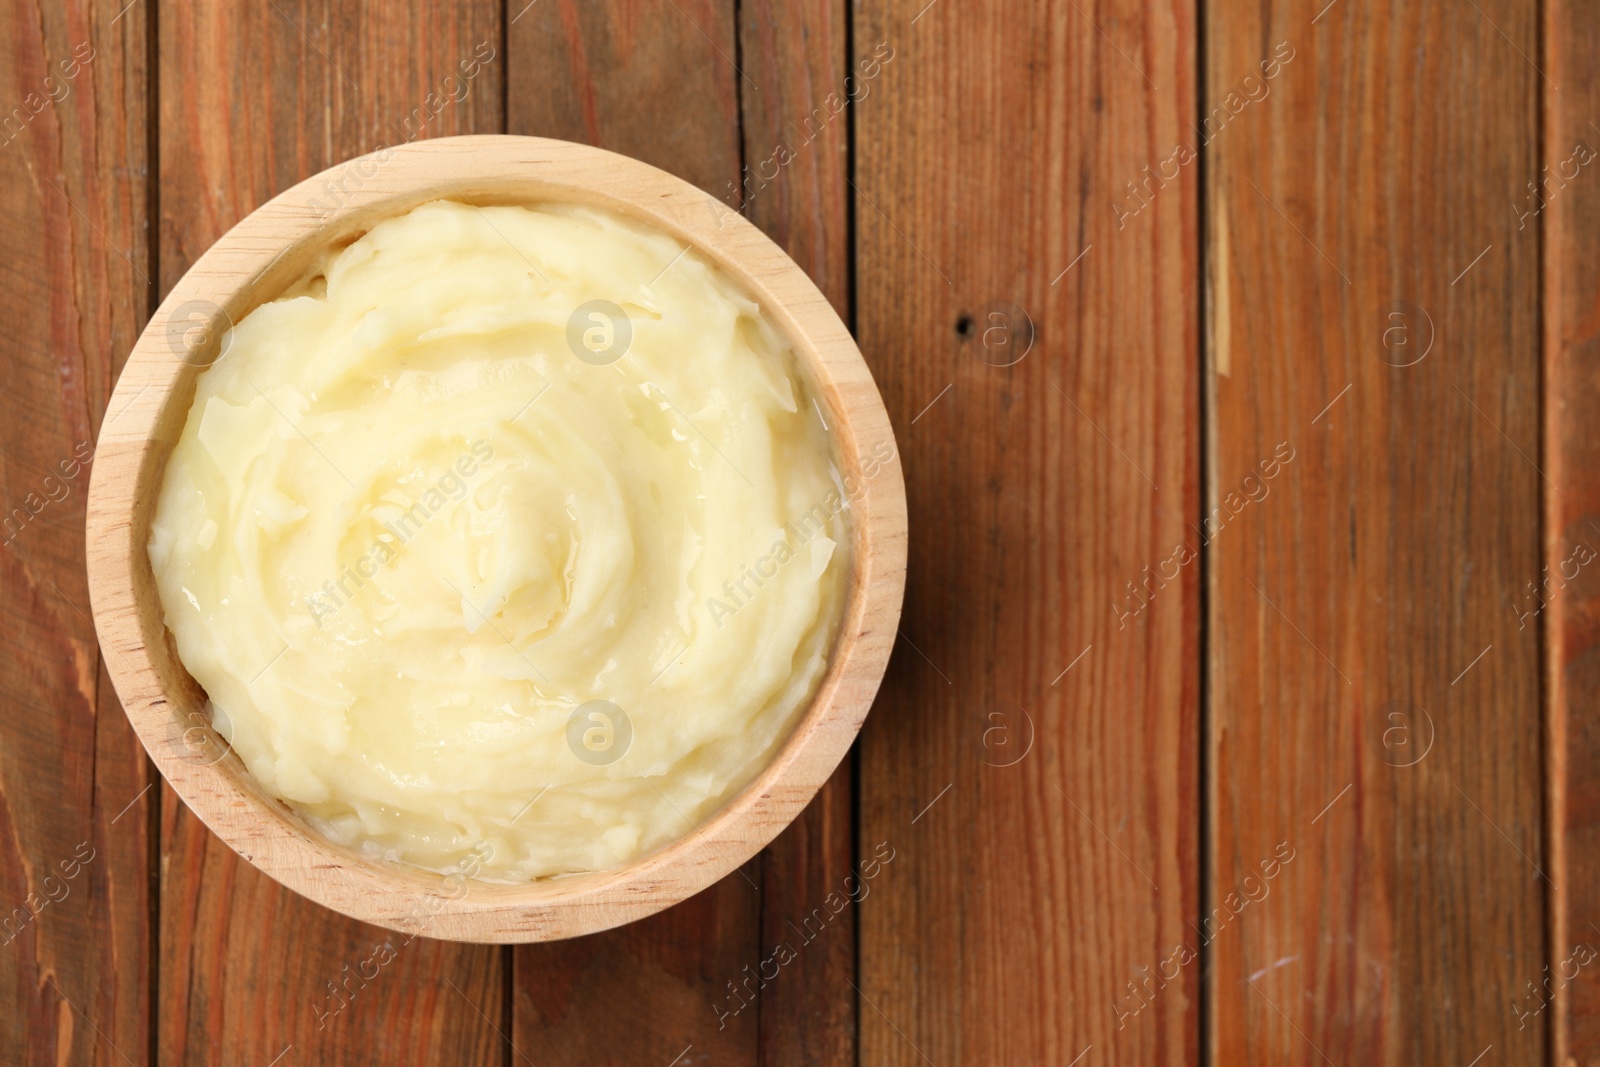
(511, 534)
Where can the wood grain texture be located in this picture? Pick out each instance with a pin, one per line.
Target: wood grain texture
(793, 185)
(1374, 607)
(74, 811)
(1566, 204)
(647, 992)
(1032, 764)
(656, 81)
(794, 180)
(1374, 695)
(253, 99)
(579, 71)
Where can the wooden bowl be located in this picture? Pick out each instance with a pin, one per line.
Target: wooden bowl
(256, 261)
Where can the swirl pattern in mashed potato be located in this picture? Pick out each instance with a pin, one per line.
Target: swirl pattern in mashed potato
(469, 567)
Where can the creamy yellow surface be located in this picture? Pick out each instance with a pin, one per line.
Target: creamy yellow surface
(409, 538)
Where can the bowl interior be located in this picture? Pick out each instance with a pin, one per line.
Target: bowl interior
(281, 243)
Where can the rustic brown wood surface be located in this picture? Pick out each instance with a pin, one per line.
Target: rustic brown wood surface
(1033, 760)
(1375, 729)
(1568, 200)
(1316, 787)
(75, 802)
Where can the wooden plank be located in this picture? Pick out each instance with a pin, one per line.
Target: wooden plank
(256, 98)
(1031, 766)
(74, 810)
(794, 182)
(579, 71)
(794, 186)
(1567, 207)
(652, 81)
(644, 993)
(1374, 699)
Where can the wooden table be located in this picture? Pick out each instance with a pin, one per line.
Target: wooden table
(1243, 362)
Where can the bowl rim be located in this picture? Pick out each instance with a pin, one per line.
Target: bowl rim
(255, 261)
